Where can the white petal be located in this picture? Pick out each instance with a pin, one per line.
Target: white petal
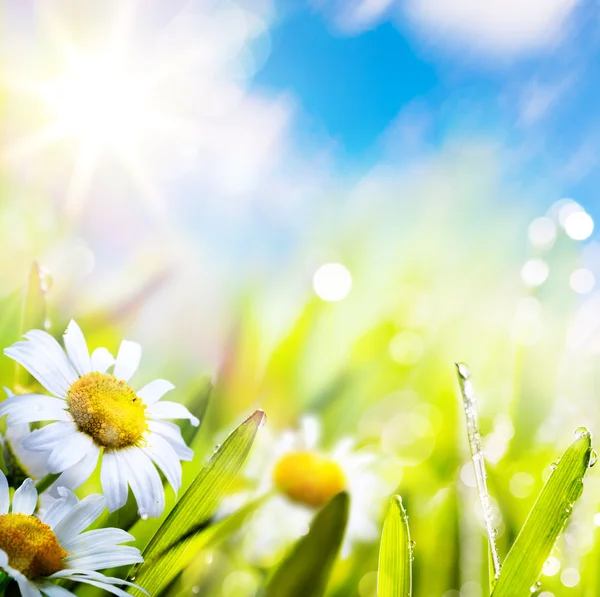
(46, 438)
(53, 590)
(165, 457)
(25, 498)
(69, 452)
(48, 359)
(27, 588)
(155, 390)
(171, 410)
(80, 517)
(114, 481)
(128, 360)
(107, 587)
(104, 557)
(97, 538)
(172, 434)
(101, 360)
(79, 575)
(4, 498)
(77, 348)
(144, 481)
(29, 408)
(79, 473)
(60, 507)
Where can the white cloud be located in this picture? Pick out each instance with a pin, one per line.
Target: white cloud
(494, 27)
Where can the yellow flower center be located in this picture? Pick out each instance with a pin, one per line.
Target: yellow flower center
(31, 546)
(108, 410)
(308, 478)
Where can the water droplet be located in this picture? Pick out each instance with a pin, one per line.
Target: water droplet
(463, 370)
(575, 490)
(263, 420)
(593, 458)
(217, 447)
(535, 587)
(412, 544)
(143, 514)
(132, 578)
(555, 464)
(581, 432)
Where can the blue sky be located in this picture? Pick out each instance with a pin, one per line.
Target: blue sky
(538, 100)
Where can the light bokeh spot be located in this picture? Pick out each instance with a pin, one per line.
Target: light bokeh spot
(332, 282)
(582, 281)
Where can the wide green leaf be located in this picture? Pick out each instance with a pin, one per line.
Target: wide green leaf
(306, 569)
(163, 557)
(532, 547)
(394, 577)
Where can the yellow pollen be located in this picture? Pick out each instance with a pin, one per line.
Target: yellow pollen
(108, 410)
(31, 546)
(308, 478)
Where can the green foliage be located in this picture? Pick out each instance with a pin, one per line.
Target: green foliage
(306, 569)
(163, 557)
(546, 520)
(394, 576)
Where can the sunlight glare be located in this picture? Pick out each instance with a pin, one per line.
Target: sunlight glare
(99, 101)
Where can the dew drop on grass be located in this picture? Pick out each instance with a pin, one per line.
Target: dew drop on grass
(412, 545)
(555, 464)
(593, 458)
(535, 587)
(463, 370)
(575, 490)
(581, 432)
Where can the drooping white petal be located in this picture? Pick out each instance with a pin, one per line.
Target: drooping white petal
(165, 457)
(114, 481)
(77, 348)
(69, 452)
(128, 360)
(81, 575)
(97, 538)
(53, 590)
(66, 501)
(25, 498)
(101, 360)
(170, 410)
(29, 408)
(104, 557)
(76, 475)
(4, 498)
(46, 438)
(172, 434)
(155, 390)
(101, 585)
(144, 481)
(26, 587)
(83, 514)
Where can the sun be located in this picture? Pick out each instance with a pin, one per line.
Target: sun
(96, 102)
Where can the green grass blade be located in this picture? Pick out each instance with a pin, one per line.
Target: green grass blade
(33, 316)
(532, 547)
(163, 556)
(306, 569)
(394, 577)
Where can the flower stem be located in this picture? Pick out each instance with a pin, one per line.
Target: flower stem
(45, 482)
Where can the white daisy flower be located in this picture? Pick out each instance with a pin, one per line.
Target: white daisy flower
(304, 478)
(99, 416)
(39, 552)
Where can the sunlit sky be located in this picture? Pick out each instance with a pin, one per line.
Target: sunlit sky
(254, 141)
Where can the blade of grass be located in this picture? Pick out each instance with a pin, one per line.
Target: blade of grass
(306, 569)
(192, 513)
(394, 576)
(470, 407)
(33, 316)
(533, 545)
